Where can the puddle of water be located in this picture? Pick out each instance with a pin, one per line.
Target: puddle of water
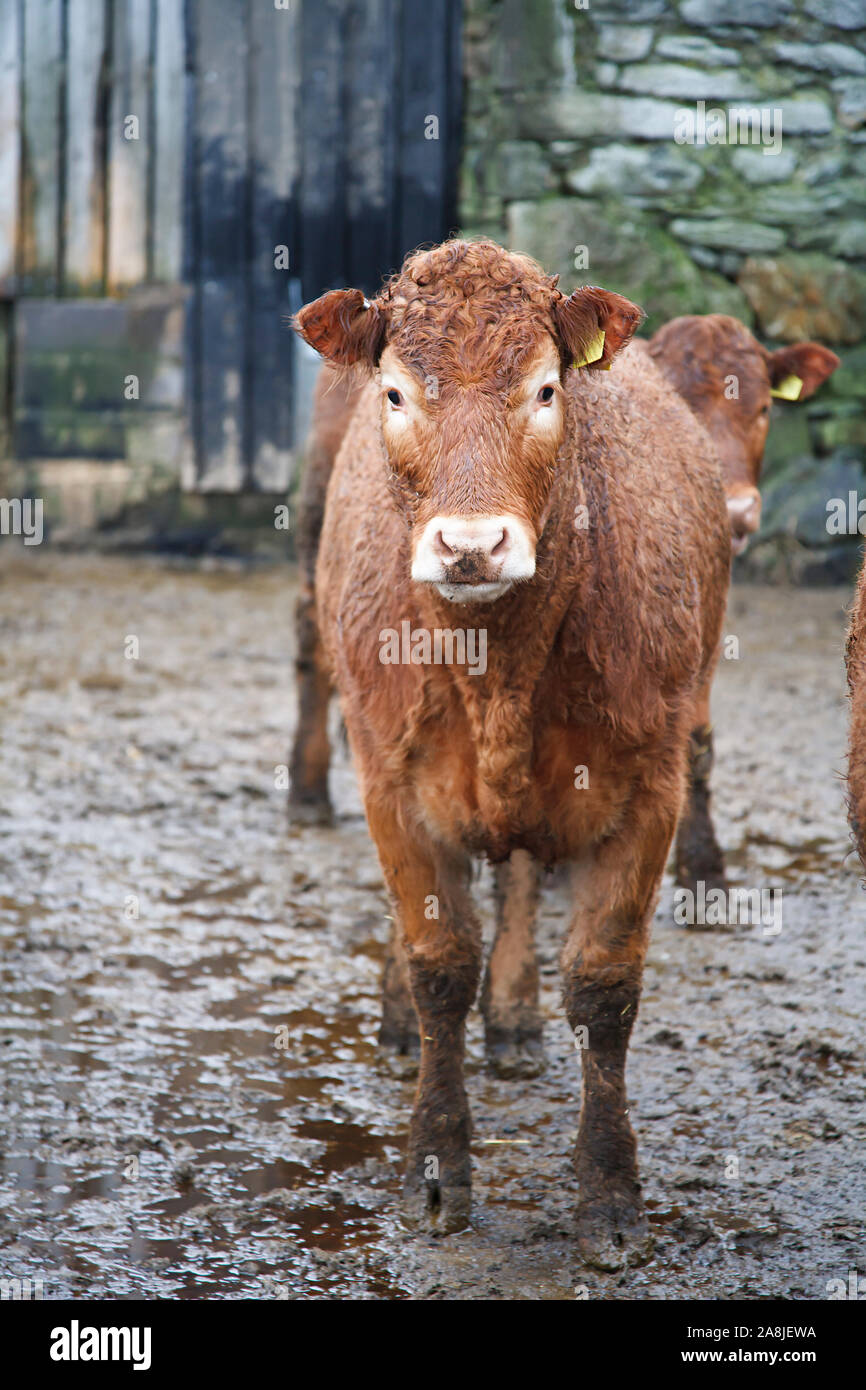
(333, 1230)
(659, 1215)
(778, 859)
(205, 890)
(347, 1144)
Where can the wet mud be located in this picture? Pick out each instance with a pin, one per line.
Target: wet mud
(193, 1104)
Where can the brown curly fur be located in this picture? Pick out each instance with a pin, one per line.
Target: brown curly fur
(700, 353)
(594, 661)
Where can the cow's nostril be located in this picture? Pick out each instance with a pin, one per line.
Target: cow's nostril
(501, 545)
(442, 548)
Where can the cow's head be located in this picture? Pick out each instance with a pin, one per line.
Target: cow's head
(470, 345)
(729, 379)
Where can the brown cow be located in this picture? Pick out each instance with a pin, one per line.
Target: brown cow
(728, 379)
(335, 398)
(855, 657)
(576, 519)
(702, 357)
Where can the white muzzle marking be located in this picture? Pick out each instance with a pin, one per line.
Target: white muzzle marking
(474, 559)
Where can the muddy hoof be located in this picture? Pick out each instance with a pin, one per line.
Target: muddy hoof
(517, 1055)
(613, 1233)
(311, 810)
(436, 1208)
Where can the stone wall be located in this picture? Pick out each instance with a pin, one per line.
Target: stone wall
(572, 113)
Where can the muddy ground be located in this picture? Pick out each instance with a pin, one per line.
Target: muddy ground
(160, 922)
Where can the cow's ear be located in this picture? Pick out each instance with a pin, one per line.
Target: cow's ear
(797, 371)
(594, 325)
(344, 327)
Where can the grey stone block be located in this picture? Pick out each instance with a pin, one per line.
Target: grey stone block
(843, 14)
(692, 48)
(574, 114)
(522, 170)
(636, 169)
(687, 83)
(805, 116)
(763, 14)
(757, 168)
(806, 295)
(728, 234)
(823, 57)
(624, 43)
(851, 101)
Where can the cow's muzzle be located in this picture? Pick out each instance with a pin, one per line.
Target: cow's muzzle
(474, 559)
(744, 515)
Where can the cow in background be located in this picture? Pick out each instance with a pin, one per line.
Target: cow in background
(728, 379)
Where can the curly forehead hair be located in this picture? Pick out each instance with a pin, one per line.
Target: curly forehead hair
(468, 302)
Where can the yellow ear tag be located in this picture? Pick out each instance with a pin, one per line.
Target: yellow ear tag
(789, 389)
(593, 352)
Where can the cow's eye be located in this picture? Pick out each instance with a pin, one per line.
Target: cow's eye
(395, 398)
(545, 395)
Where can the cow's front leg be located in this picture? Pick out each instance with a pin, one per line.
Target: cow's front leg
(602, 964)
(428, 885)
(698, 857)
(509, 997)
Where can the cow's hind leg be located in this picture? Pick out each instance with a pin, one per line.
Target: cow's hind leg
(398, 1031)
(509, 997)
(697, 857)
(309, 800)
(602, 964)
(443, 946)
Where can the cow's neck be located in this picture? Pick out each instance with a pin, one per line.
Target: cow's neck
(500, 703)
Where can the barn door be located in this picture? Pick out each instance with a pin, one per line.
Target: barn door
(322, 145)
(379, 127)
(177, 177)
(242, 184)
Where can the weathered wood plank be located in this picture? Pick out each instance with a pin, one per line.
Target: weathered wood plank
(127, 155)
(220, 243)
(449, 215)
(275, 164)
(84, 214)
(424, 100)
(323, 143)
(370, 67)
(10, 140)
(40, 212)
(169, 119)
(6, 404)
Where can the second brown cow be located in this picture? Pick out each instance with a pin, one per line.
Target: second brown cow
(729, 380)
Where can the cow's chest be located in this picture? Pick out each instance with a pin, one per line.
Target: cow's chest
(496, 787)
